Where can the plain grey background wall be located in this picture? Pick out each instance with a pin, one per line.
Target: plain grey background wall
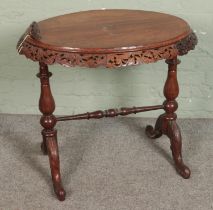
(80, 89)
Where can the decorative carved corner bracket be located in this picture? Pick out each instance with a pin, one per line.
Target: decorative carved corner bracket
(32, 31)
(109, 60)
(187, 44)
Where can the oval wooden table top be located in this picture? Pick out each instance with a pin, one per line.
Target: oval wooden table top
(110, 38)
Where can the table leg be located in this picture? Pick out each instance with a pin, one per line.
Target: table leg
(48, 122)
(166, 123)
(44, 143)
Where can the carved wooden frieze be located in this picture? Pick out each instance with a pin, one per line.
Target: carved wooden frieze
(139, 57)
(66, 58)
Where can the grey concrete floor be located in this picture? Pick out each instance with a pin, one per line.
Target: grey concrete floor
(106, 164)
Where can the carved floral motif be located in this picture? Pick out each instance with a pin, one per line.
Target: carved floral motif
(187, 44)
(139, 57)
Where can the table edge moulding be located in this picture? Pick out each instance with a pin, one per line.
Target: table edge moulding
(31, 45)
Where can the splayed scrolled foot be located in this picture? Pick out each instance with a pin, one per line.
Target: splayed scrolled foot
(173, 132)
(152, 132)
(155, 132)
(59, 191)
(53, 153)
(183, 170)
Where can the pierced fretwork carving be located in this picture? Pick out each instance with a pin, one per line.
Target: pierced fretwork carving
(139, 57)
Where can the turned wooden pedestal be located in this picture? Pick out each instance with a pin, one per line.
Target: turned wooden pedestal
(113, 39)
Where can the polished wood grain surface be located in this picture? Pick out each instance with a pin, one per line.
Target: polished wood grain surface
(113, 29)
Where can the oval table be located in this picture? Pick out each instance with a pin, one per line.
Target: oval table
(112, 39)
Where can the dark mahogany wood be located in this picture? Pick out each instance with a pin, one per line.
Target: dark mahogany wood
(48, 121)
(166, 123)
(110, 113)
(109, 38)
